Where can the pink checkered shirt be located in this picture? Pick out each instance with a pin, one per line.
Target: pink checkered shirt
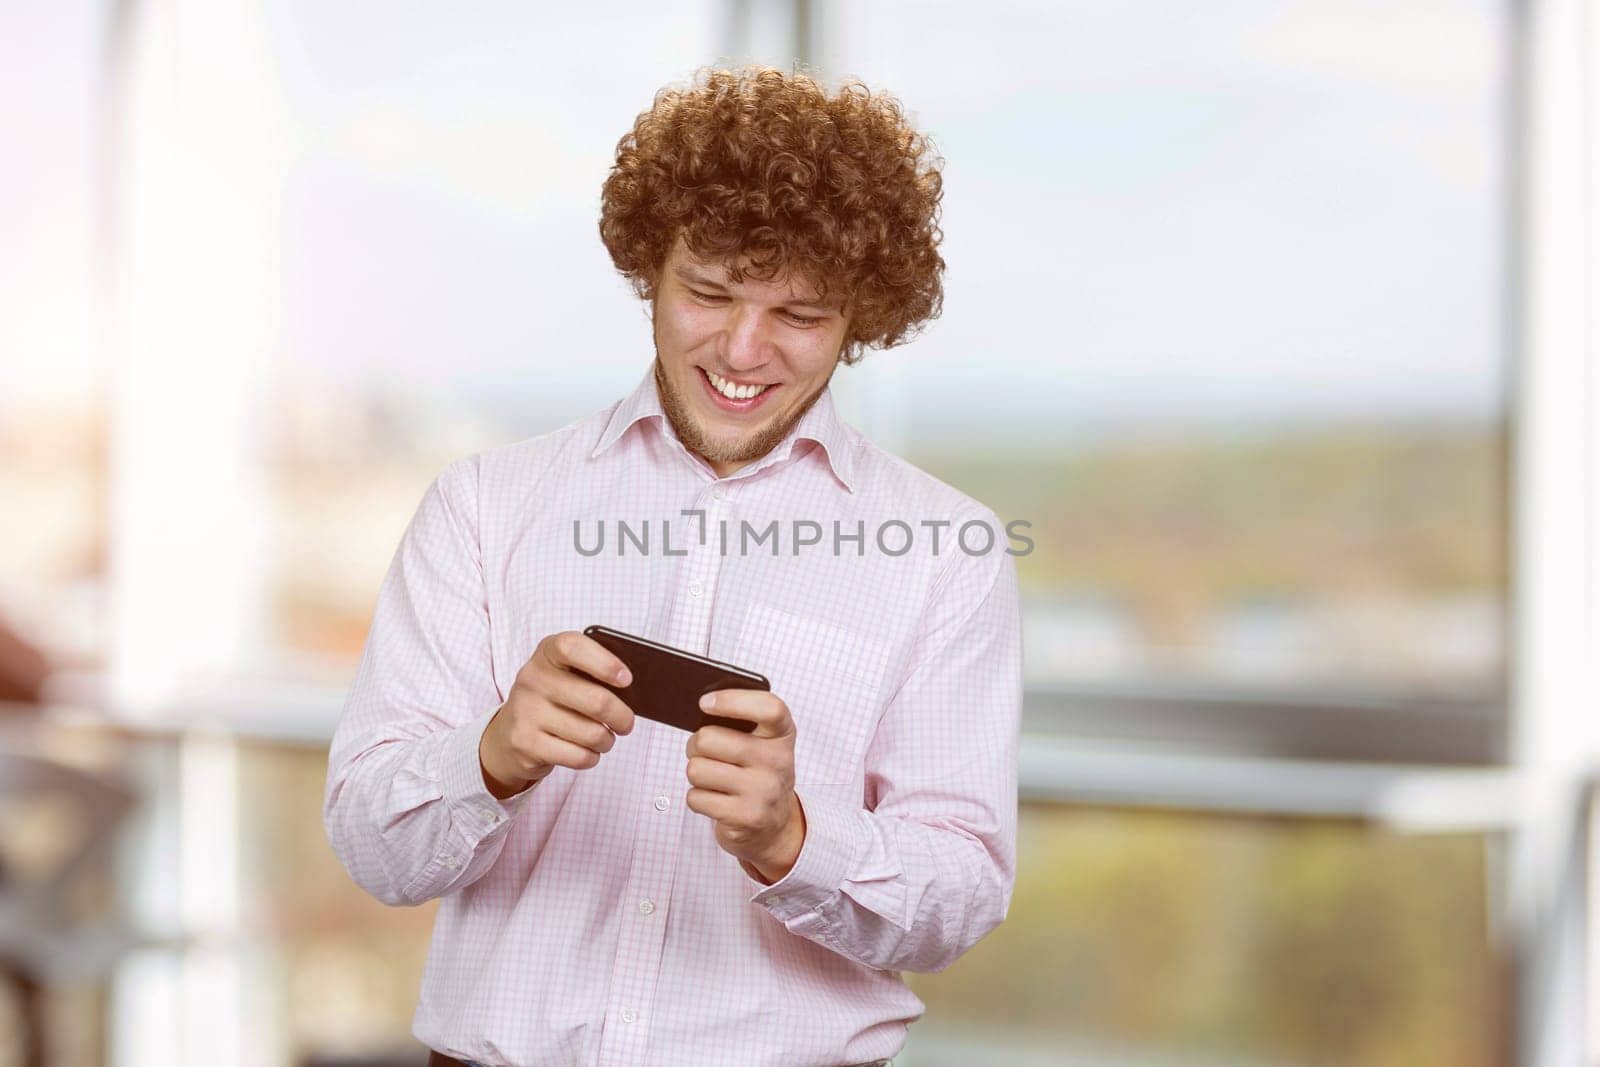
(592, 918)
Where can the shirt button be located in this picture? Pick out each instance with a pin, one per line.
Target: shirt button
(661, 803)
(628, 1015)
(695, 588)
(450, 862)
(646, 907)
(717, 492)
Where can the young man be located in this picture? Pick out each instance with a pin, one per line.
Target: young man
(614, 891)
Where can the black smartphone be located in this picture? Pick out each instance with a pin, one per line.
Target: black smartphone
(668, 682)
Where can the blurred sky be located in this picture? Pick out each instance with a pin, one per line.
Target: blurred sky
(1258, 211)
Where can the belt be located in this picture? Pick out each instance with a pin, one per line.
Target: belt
(439, 1059)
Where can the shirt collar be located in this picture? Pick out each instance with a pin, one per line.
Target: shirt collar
(820, 423)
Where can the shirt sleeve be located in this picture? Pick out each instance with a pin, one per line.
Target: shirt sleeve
(405, 806)
(921, 870)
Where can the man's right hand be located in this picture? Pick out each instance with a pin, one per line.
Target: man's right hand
(556, 715)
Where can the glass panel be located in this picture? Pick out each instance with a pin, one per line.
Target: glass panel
(1144, 937)
(1224, 322)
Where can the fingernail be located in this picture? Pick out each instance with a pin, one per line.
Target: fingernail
(623, 677)
(708, 701)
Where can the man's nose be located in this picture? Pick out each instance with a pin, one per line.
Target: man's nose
(749, 342)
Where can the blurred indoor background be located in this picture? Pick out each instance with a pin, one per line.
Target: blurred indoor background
(1272, 317)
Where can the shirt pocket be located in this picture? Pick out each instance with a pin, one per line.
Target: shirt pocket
(830, 677)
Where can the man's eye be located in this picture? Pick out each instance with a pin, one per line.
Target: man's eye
(708, 298)
(801, 320)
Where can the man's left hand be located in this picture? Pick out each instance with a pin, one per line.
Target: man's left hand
(744, 782)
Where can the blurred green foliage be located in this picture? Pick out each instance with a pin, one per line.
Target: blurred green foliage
(1172, 527)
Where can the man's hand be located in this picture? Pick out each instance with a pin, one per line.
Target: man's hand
(556, 715)
(745, 782)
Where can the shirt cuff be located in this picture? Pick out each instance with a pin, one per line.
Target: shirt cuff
(836, 837)
(476, 809)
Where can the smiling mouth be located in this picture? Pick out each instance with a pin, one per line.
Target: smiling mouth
(734, 390)
(741, 400)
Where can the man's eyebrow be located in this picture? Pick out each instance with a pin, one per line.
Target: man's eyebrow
(804, 305)
(697, 278)
(814, 304)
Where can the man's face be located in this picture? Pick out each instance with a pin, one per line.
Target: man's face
(710, 332)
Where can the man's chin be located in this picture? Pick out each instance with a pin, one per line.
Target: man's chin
(736, 451)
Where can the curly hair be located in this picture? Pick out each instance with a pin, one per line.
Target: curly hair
(769, 174)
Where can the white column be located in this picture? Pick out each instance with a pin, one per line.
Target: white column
(761, 31)
(1555, 560)
(197, 176)
(212, 991)
(196, 284)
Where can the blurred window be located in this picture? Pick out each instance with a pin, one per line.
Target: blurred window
(1225, 322)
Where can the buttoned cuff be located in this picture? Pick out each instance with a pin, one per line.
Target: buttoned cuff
(475, 808)
(836, 837)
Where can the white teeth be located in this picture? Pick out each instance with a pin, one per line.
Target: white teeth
(735, 392)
